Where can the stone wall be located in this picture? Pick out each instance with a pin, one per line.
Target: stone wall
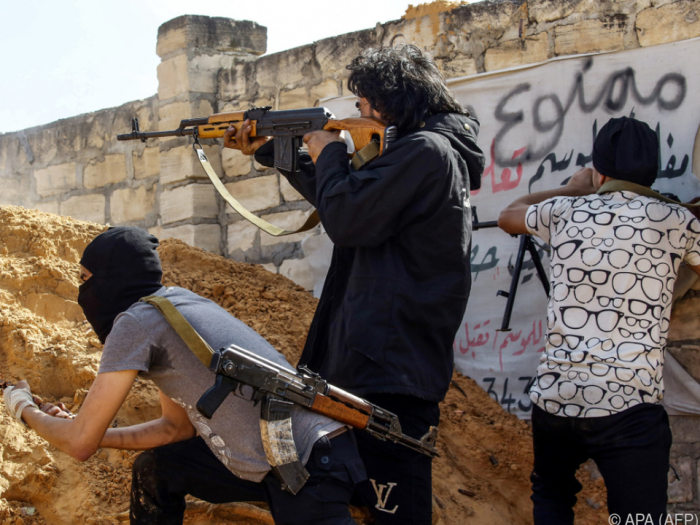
(77, 167)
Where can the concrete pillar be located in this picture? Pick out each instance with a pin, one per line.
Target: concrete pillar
(193, 49)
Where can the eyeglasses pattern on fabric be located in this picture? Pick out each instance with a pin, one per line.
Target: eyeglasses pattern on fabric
(620, 272)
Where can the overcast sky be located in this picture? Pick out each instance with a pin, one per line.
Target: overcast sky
(61, 58)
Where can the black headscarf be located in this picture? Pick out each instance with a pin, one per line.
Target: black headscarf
(627, 149)
(125, 267)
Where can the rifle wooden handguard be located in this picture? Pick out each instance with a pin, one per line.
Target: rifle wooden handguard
(334, 410)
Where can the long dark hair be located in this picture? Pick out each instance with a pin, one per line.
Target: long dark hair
(403, 84)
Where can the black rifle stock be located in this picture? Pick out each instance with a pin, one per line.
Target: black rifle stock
(286, 127)
(236, 367)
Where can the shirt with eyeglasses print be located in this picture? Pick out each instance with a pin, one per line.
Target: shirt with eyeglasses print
(614, 262)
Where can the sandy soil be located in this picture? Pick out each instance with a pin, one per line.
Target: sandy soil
(482, 476)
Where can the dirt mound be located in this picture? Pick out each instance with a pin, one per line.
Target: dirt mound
(481, 476)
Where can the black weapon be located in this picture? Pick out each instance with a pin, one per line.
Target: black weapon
(526, 244)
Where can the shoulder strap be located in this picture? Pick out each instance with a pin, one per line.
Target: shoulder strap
(365, 155)
(276, 414)
(311, 221)
(184, 329)
(623, 185)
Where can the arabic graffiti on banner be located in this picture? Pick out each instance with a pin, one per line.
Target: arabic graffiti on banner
(538, 125)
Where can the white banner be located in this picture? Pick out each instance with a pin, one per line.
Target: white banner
(538, 124)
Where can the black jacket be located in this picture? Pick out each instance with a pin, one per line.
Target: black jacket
(399, 279)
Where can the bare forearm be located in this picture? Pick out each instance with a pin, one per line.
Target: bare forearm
(512, 218)
(146, 435)
(67, 435)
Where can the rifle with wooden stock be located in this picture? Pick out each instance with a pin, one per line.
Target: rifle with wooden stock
(286, 127)
(236, 368)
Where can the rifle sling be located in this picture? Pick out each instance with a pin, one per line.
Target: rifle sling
(311, 221)
(275, 415)
(365, 155)
(623, 185)
(184, 329)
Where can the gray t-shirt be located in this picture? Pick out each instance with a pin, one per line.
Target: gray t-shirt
(141, 339)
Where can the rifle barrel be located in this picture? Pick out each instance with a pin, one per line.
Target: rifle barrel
(143, 135)
(488, 224)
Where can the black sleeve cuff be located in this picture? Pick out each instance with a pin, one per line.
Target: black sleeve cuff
(265, 154)
(334, 154)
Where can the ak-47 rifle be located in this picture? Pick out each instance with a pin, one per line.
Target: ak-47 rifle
(236, 367)
(526, 245)
(286, 127)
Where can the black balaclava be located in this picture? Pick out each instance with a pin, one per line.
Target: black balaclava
(125, 267)
(627, 149)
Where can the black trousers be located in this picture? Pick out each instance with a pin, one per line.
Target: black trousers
(399, 485)
(631, 450)
(163, 476)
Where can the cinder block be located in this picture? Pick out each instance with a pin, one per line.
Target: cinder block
(173, 77)
(235, 163)
(588, 36)
(188, 202)
(147, 164)
(14, 189)
(48, 207)
(270, 267)
(170, 115)
(422, 31)
(289, 220)
(206, 33)
(55, 179)
(109, 171)
(131, 204)
(259, 193)
(304, 97)
(203, 72)
(85, 208)
(543, 11)
(288, 191)
(180, 164)
(241, 236)
(284, 69)
(516, 52)
(298, 271)
(156, 231)
(204, 236)
(172, 41)
(233, 82)
(668, 23)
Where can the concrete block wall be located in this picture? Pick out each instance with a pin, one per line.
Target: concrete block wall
(77, 167)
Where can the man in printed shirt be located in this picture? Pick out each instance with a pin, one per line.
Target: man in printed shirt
(614, 260)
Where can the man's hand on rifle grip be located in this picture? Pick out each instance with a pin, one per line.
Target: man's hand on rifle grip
(317, 140)
(240, 139)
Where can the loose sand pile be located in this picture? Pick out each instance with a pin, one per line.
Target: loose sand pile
(482, 476)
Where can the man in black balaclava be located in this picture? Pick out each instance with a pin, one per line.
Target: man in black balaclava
(124, 266)
(616, 249)
(223, 460)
